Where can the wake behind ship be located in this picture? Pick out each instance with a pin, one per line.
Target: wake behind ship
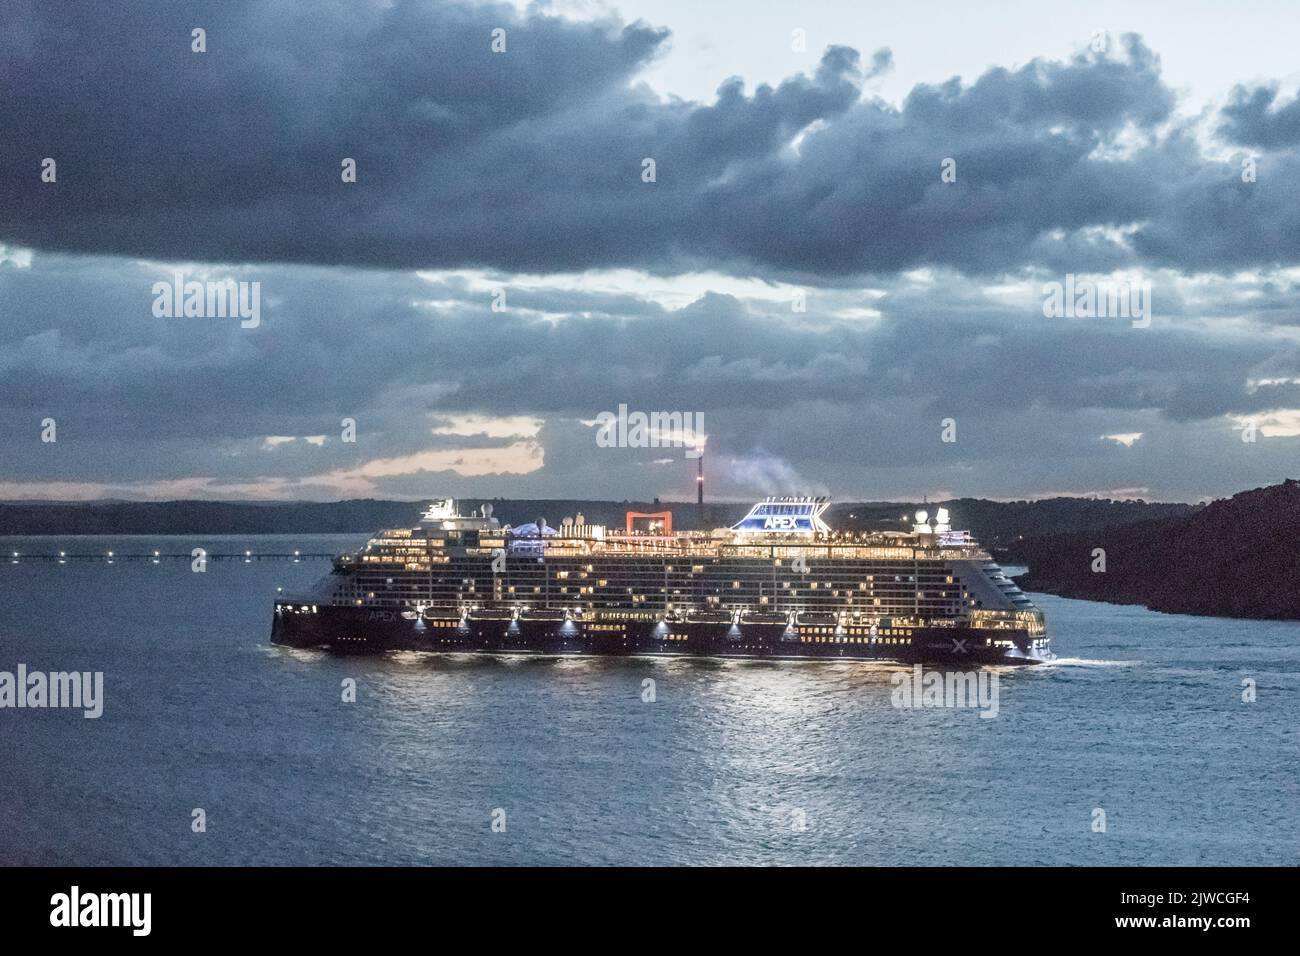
(778, 585)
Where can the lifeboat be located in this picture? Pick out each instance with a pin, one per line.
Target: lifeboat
(491, 614)
(765, 618)
(441, 614)
(818, 618)
(551, 615)
(709, 617)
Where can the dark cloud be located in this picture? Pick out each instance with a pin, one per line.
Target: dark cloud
(1254, 117)
(530, 160)
(816, 401)
(523, 170)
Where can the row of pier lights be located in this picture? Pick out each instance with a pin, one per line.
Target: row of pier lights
(155, 558)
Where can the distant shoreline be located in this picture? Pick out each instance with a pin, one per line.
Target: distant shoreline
(993, 523)
(1235, 558)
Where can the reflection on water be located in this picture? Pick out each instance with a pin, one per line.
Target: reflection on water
(726, 762)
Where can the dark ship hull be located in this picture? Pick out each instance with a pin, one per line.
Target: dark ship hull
(370, 629)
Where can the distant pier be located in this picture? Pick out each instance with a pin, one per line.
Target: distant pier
(157, 557)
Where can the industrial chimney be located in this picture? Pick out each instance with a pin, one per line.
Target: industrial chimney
(699, 488)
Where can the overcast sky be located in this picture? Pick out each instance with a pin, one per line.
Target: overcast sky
(800, 274)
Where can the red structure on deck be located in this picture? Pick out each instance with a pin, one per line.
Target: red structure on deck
(664, 518)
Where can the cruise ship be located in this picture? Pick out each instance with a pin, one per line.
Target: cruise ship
(778, 585)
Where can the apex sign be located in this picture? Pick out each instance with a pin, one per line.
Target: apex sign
(781, 523)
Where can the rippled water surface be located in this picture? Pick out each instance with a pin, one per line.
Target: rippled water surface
(732, 763)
